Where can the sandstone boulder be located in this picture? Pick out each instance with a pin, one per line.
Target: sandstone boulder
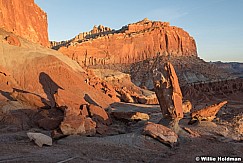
(161, 133)
(99, 115)
(40, 139)
(78, 125)
(208, 113)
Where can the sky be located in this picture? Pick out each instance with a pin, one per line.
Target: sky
(216, 25)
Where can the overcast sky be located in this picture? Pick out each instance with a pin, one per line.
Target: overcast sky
(216, 25)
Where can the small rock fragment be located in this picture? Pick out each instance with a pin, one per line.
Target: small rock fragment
(186, 106)
(40, 139)
(192, 133)
(140, 116)
(130, 116)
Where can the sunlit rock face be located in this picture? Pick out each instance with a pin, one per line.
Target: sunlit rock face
(132, 43)
(25, 19)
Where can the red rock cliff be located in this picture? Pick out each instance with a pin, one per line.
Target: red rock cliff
(24, 18)
(132, 43)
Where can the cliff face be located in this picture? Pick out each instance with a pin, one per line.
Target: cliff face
(132, 43)
(25, 19)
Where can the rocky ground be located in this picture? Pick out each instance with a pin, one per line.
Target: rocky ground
(128, 144)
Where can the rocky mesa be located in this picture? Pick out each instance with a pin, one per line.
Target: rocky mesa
(132, 43)
(25, 19)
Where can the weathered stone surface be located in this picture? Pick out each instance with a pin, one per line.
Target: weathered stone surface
(84, 110)
(130, 116)
(40, 139)
(186, 106)
(125, 96)
(99, 115)
(49, 123)
(85, 121)
(101, 85)
(43, 77)
(208, 113)
(25, 19)
(160, 132)
(206, 90)
(78, 124)
(132, 43)
(238, 123)
(192, 133)
(119, 85)
(13, 40)
(168, 92)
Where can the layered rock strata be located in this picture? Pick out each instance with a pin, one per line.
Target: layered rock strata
(132, 43)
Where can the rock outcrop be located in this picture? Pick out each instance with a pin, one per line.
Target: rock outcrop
(208, 113)
(43, 77)
(132, 43)
(211, 89)
(25, 19)
(74, 124)
(119, 87)
(189, 70)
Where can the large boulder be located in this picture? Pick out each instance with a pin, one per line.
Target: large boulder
(74, 124)
(208, 113)
(99, 115)
(161, 133)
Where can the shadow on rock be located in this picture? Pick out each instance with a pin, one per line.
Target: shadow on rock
(50, 87)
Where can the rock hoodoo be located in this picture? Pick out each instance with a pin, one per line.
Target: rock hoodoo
(21, 17)
(169, 95)
(132, 43)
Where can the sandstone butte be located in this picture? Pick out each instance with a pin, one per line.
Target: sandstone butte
(25, 19)
(132, 43)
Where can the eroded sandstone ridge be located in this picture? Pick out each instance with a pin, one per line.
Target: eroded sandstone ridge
(132, 43)
(25, 19)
